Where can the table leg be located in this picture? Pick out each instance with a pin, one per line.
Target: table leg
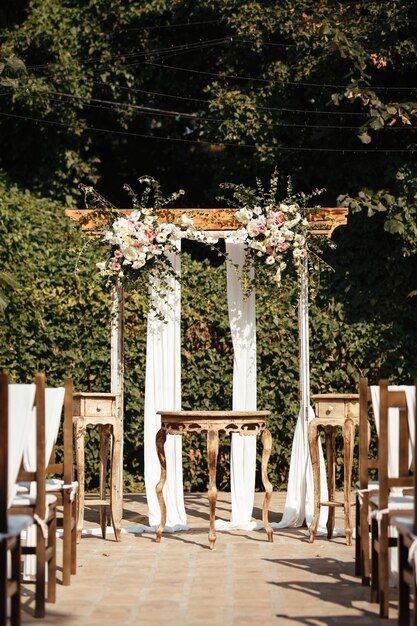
(331, 475)
(160, 443)
(104, 436)
(266, 439)
(79, 456)
(348, 439)
(212, 450)
(313, 434)
(115, 495)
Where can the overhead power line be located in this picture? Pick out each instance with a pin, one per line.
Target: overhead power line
(113, 105)
(272, 80)
(212, 143)
(143, 53)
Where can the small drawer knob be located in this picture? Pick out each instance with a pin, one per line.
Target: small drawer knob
(329, 409)
(98, 409)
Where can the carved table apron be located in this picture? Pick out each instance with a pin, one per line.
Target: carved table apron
(211, 423)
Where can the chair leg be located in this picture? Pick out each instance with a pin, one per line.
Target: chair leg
(403, 588)
(40, 573)
(374, 561)
(15, 601)
(358, 547)
(74, 512)
(3, 582)
(414, 587)
(66, 540)
(383, 568)
(52, 560)
(364, 542)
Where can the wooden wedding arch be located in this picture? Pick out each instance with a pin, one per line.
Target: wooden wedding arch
(219, 222)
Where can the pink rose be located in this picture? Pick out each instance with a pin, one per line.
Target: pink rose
(276, 219)
(118, 254)
(281, 247)
(114, 265)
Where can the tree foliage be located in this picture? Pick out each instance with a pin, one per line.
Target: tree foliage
(198, 93)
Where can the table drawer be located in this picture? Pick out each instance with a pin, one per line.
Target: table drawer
(328, 408)
(100, 406)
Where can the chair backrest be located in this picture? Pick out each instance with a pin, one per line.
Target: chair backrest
(4, 450)
(65, 468)
(392, 399)
(365, 462)
(38, 474)
(20, 413)
(393, 453)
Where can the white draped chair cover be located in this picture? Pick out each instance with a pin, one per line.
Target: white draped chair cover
(54, 402)
(21, 399)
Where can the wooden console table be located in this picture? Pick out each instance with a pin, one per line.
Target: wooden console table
(333, 410)
(99, 409)
(211, 423)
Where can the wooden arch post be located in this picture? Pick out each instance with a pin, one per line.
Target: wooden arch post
(322, 222)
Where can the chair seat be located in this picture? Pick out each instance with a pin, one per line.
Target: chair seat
(372, 485)
(51, 484)
(28, 500)
(405, 525)
(15, 525)
(395, 503)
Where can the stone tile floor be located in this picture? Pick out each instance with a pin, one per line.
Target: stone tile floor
(245, 581)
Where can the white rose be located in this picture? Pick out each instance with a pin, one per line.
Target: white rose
(130, 253)
(161, 237)
(258, 245)
(243, 215)
(270, 260)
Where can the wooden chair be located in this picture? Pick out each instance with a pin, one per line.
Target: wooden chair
(65, 489)
(365, 487)
(42, 508)
(407, 546)
(10, 526)
(385, 505)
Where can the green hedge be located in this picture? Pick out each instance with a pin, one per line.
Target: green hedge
(362, 322)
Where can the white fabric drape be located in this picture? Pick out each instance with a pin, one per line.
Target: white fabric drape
(393, 423)
(21, 399)
(54, 401)
(242, 318)
(163, 392)
(299, 505)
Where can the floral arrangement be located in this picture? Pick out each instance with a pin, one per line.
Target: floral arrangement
(140, 239)
(273, 231)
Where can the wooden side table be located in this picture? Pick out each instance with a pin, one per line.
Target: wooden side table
(211, 423)
(333, 410)
(100, 409)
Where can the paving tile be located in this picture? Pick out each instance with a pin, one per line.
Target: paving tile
(242, 582)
